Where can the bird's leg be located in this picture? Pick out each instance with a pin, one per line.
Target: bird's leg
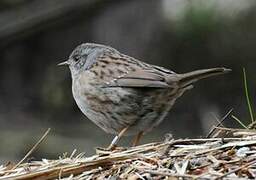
(137, 138)
(117, 138)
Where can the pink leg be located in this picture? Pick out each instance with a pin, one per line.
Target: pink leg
(117, 138)
(137, 138)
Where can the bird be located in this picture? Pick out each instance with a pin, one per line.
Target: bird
(123, 95)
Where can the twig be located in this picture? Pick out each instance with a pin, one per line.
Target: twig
(220, 122)
(208, 159)
(170, 174)
(234, 129)
(32, 149)
(237, 169)
(240, 122)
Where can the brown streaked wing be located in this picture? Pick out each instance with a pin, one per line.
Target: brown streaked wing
(140, 78)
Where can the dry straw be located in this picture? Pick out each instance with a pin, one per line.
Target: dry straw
(233, 157)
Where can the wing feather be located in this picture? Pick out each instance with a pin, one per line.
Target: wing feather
(140, 78)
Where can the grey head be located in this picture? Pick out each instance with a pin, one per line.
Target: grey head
(85, 55)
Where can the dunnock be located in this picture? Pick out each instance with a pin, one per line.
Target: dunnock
(122, 95)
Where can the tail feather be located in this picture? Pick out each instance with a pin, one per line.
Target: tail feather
(189, 78)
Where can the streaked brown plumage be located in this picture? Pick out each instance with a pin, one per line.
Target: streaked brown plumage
(121, 94)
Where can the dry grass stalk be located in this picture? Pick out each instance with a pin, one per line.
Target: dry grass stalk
(210, 158)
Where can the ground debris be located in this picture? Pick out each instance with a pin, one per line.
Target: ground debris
(232, 157)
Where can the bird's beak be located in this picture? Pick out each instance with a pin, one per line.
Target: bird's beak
(63, 63)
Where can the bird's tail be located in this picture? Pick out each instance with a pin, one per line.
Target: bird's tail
(189, 78)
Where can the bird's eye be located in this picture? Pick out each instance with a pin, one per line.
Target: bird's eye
(76, 58)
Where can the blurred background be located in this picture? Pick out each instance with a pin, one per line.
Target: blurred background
(181, 35)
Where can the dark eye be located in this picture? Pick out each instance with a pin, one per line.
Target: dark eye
(76, 58)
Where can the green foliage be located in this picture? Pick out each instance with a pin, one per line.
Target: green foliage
(247, 96)
(249, 104)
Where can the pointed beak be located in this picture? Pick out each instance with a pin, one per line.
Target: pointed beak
(63, 63)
